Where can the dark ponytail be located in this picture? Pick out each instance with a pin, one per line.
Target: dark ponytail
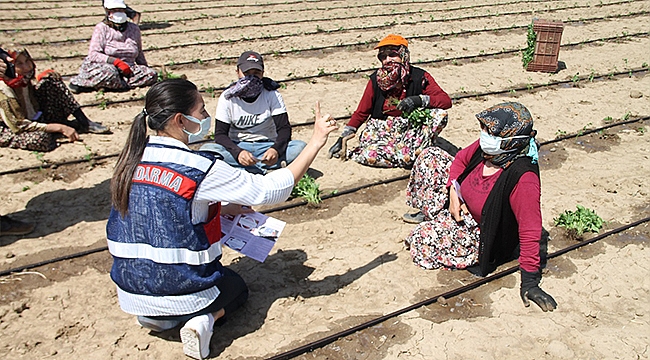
(164, 100)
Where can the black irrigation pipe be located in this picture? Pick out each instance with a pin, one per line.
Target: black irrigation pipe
(427, 36)
(453, 96)
(446, 295)
(355, 28)
(212, 90)
(288, 22)
(352, 190)
(206, 16)
(143, 12)
(420, 37)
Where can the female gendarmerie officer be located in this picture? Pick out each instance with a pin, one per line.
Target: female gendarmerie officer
(164, 230)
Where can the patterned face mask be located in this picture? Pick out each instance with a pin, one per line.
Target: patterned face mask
(394, 74)
(248, 87)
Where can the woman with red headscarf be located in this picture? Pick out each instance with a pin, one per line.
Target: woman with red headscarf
(393, 91)
(34, 109)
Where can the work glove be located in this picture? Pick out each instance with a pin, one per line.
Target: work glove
(411, 103)
(341, 142)
(124, 68)
(530, 290)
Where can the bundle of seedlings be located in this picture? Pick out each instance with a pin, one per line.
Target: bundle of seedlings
(579, 222)
(308, 189)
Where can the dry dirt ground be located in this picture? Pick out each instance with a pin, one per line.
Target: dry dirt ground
(343, 263)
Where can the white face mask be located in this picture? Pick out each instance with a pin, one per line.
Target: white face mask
(205, 126)
(491, 144)
(117, 17)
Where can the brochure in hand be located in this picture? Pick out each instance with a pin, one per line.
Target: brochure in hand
(251, 234)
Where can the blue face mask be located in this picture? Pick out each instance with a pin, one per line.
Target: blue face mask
(491, 144)
(204, 128)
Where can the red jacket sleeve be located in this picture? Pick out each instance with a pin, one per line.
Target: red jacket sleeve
(438, 98)
(364, 109)
(525, 203)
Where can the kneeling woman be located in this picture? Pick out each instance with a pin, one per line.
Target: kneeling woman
(164, 230)
(493, 182)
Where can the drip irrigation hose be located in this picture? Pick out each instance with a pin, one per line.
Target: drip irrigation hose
(238, 6)
(212, 90)
(50, 261)
(448, 294)
(328, 196)
(287, 22)
(454, 97)
(341, 29)
(226, 15)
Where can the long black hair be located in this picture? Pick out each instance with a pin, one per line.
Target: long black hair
(163, 100)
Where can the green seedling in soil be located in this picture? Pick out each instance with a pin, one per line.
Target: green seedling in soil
(576, 78)
(608, 120)
(26, 187)
(592, 75)
(529, 51)
(419, 117)
(559, 133)
(640, 130)
(308, 189)
(584, 128)
(580, 221)
(644, 65)
(626, 116)
(89, 153)
(39, 156)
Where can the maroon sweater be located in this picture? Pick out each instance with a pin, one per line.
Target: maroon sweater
(524, 200)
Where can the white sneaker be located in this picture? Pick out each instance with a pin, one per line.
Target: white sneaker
(196, 335)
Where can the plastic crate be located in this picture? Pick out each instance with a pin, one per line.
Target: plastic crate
(547, 46)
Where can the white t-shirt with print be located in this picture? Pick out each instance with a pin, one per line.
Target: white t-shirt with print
(251, 121)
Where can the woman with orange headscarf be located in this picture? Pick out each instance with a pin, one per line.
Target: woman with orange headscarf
(393, 91)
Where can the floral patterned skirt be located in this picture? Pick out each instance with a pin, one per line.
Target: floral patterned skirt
(98, 75)
(440, 241)
(394, 142)
(27, 140)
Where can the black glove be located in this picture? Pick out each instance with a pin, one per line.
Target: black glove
(530, 290)
(334, 151)
(413, 102)
(336, 148)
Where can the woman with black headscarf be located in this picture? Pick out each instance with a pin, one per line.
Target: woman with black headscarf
(484, 204)
(115, 58)
(395, 90)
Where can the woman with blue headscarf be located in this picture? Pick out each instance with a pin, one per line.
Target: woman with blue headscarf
(483, 206)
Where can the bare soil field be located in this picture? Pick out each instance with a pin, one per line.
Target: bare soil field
(343, 263)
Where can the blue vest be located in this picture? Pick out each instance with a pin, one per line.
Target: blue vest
(157, 252)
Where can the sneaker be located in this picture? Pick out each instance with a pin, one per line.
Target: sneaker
(196, 335)
(76, 89)
(157, 325)
(9, 226)
(96, 128)
(416, 218)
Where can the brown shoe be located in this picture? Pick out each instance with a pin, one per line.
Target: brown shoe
(9, 226)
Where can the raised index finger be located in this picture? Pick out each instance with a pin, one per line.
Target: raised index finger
(317, 110)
